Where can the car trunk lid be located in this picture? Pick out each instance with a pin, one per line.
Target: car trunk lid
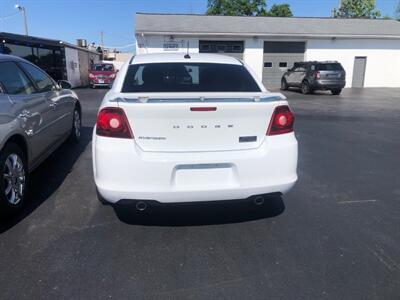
(196, 122)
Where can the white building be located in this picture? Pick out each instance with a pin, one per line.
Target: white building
(369, 50)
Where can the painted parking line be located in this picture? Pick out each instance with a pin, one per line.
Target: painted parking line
(357, 201)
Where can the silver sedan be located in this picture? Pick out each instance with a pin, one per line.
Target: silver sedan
(36, 116)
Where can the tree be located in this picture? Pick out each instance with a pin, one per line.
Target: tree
(247, 8)
(236, 7)
(357, 9)
(280, 10)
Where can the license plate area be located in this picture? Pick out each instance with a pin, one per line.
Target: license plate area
(204, 176)
(101, 81)
(333, 76)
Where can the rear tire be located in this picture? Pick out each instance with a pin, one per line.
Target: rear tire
(284, 85)
(336, 92)
(305, 88)
(75, 135)
(13, 179)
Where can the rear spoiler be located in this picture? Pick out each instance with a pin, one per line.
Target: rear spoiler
(145, 99)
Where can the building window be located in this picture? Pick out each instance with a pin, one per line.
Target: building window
(205, 48)
(26, 52)
(237, 48)
(48, 58)
(221, 48)
(268, 65)
(171, 46)
(283, 65)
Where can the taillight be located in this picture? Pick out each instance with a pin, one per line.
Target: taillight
(112, 122)
(282, 121)
(91, 75)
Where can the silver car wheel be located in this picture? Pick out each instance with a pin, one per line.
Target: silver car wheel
(14, 179)
(77, 124)
(305, 88)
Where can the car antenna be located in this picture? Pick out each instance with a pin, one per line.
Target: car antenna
(187, 56)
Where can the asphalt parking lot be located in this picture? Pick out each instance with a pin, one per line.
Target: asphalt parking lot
(336, 235)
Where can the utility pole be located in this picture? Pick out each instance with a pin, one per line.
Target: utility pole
(23, 11)
(101, 39)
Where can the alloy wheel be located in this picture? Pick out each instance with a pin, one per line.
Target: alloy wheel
(77, 124)
(14, 179)
(304, 88)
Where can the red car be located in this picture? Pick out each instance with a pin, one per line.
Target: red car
(102, 75)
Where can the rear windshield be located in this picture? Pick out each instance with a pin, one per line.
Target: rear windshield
(328, 67)
(188, 77)
(103, 67)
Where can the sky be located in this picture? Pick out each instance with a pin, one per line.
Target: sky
(69, 20)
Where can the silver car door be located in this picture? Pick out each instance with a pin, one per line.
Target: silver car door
(35, 118)
(301, 73)
(29, 107)
(60, 116)
(291, 78)
(297, 75)
(63, 102)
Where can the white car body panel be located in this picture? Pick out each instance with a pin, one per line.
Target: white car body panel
(179, 155)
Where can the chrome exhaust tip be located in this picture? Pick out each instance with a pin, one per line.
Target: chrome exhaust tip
(259, 200)
(141, 206)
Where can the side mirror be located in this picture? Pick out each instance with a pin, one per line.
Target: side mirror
(64, 84)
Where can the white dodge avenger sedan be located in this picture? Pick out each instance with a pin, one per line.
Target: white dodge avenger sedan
(186, 128)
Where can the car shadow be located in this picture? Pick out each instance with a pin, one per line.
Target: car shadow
(47, 178)
(198, 214)
(314, 93)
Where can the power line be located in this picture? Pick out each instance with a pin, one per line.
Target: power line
(8, 17)
(119, 47)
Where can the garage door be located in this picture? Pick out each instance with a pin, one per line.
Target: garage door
(231, 48)
(278, 57)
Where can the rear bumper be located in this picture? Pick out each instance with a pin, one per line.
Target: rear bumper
(96, 83)
(123, 171)
(328, 84)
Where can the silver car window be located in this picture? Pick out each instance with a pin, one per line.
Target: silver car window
(13, 80)
(42, 80)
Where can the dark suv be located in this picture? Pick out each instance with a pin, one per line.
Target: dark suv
(314, 75)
